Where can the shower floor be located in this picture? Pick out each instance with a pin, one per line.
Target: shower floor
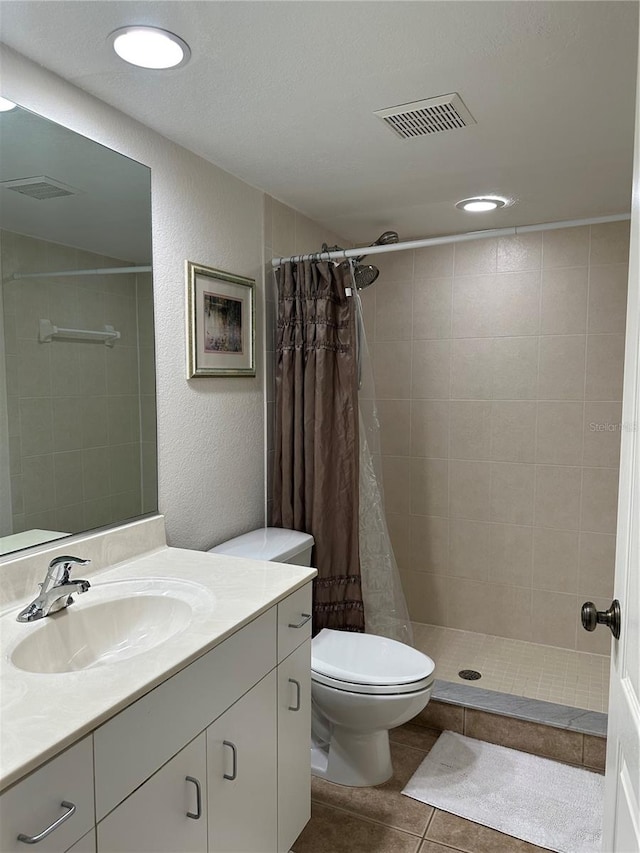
(563, 676)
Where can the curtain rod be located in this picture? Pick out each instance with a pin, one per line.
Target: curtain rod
(105, 271)
(511, 231)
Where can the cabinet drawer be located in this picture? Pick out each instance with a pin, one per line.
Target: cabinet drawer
(155, 818)
(34, 804)
(139, 740)
(293, 625)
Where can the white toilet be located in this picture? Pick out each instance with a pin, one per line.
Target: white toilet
(362, 685)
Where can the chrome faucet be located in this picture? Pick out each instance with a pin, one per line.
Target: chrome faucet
(56, 590)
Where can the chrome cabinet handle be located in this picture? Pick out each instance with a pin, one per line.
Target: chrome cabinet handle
(34, 839)
(234, 752)
(198, 812)
(305, 619)
(295, 707)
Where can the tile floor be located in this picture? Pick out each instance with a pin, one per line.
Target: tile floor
(576, 679)
(382, 820)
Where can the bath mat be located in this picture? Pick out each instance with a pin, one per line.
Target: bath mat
(535, 799)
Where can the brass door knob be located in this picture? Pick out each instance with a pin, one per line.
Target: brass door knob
(591, 617)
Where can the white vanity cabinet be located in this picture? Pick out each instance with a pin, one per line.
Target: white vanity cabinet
(241, 774)
(62, 791)
(215, 759)
(167, 813)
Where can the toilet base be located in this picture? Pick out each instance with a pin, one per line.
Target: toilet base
(359, 760)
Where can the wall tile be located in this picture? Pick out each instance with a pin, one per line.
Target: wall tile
(511, 553)
(597, 564)
(430, 369)
(521, 252)
(429, 487)
(432, 300)
(602, 431)
(559, 433)
(564, 301)
(394, 266)
(512, 490)
(433, 262)
(475, 257)
(470, 489)
(554, 616)
(430, 428)
(471, 369)
(561, 367)
(599, 500)
(608, 298)
(394, 311)
(610, 243)
(501, 304)
(38, 484)
(396, 472)
(36, 426)
(470, 604)
(515, 368)
(605, 364)
(95, 422)
(557, 501)
(67, 428)
(394, 418)
(68, 477)
(566, 247)
(400, 534)
(392, 370)
(513, 431)
(430, 544)
(427, 597)
(558, 744)
(555, 559)
(510, 614)
(470, 435)
(34, 369)
(469, 549)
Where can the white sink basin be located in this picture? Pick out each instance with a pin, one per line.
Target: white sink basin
(111, 622)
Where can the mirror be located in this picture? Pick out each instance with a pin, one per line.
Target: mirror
(77, 370)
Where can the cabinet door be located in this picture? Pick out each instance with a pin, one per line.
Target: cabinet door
(156, 818)
(294, 745)
(86, 844)
(35, 804)
(241, 774)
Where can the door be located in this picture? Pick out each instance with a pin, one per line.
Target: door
(294, 747)
(241, 774)
(165, 815)
(622, 783)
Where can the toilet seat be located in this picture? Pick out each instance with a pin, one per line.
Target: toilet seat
(366, 663)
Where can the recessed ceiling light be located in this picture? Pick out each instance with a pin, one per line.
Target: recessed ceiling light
(6, 105)
(481, 204)
(150, 47)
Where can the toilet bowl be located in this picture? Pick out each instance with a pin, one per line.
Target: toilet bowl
(362, 685)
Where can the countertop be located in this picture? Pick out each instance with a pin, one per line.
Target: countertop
(42, 714)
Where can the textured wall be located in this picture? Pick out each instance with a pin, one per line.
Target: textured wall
(498, 368)
(210, 431)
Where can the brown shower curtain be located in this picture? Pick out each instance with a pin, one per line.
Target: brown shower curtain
(315, 482)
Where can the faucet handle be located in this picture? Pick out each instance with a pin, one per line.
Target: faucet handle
(60, 567)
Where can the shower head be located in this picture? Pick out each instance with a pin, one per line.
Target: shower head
(387, 238)
(364, 275)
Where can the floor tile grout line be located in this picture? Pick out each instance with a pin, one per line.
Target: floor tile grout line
(365, 818)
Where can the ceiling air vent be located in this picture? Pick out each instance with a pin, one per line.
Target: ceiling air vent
(41, 188)
(424, 117)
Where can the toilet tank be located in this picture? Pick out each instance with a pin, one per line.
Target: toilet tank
(270, 543)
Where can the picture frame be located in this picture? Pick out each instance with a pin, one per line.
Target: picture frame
(220, 323)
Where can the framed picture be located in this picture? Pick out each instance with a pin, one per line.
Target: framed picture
(221, 323)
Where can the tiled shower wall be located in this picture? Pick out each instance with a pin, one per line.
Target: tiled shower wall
(498, 367)
(81, 415)
(286, 233)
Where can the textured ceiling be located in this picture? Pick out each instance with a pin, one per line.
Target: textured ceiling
(282, 95)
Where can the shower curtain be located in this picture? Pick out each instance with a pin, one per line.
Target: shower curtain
(315, 482)
(327, 476)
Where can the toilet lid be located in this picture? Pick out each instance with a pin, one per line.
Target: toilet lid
(366, 659)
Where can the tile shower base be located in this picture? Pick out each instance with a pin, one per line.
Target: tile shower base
(514, 670)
